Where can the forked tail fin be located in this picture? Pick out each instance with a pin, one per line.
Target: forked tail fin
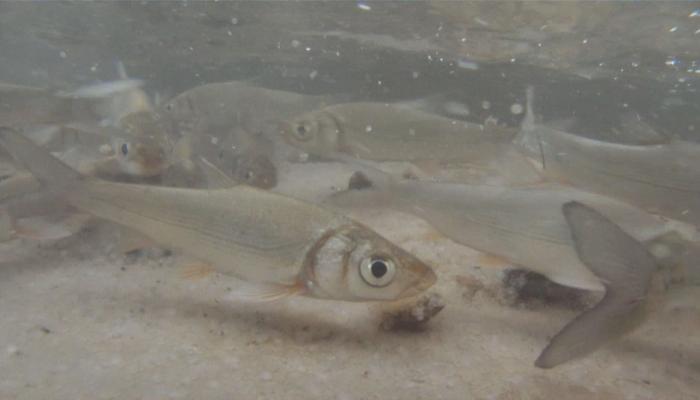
(626, 269)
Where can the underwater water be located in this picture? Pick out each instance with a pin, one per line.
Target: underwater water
(349, 200)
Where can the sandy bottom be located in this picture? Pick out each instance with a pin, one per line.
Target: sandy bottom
(80, 321)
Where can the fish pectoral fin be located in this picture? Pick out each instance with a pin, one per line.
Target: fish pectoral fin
(197, 270)
(628, 271)
(490, 260)
(131, 240)
(46, 228)
(266, 292)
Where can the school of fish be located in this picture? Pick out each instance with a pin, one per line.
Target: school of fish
(194, 174)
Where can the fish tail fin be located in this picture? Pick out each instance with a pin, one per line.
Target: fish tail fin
(626, 269)
(48, 170)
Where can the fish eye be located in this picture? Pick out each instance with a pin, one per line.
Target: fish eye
(377, 271)
(125, 148)
(303, 131)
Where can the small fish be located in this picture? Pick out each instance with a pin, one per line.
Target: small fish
(386, 132)
(232, 124)
(280, 245)
(523, 226)
(225, 108)
(661, 178)
(103, 89)
(632, 288)
(23, 105)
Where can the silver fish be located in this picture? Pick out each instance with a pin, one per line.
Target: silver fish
(224, 108)
(661, 178)
(284, 245)
(578, 247)
(387, 132)
(524, 226)
(21, 105)
(231, 125)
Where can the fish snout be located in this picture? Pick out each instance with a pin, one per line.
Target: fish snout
(424, 280)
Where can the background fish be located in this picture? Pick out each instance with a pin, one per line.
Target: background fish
(386, 132)
(283, 245)
(661, 178)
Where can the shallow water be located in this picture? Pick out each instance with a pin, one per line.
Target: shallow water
(83, 320)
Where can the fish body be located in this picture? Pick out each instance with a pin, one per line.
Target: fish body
(22, 105)
(225, 107)
(522, 225)
(287, 245)
(386, 132)
(661, 178)
(229, 124)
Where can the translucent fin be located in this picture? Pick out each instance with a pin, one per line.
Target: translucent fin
(103, 89)
(216, 178)
(45, 167)
(266, 292)
(130, 240)
(197, 270)
(625, 268)
(7, 230)
(46, 228)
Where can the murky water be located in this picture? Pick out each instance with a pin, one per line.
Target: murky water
(458, 167)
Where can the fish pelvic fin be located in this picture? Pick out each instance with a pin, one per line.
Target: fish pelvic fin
(627, 271)
(47, 169)
(267, 292)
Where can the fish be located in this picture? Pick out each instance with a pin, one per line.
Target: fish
(390, 132)
(660, 178)
(521, 225)
(20, 105)
(108, 101)
(232, 124)
(279, 245)
(223, 109)
(147, 148)
(633, 288)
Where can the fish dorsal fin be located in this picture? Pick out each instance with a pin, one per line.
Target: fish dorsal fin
(626, 269)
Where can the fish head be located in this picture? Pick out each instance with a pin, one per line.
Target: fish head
(140, 156)
(353, 263)
(316, 132)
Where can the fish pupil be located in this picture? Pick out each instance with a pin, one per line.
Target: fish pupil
(125, 149)
(301, 130)
(379, 268)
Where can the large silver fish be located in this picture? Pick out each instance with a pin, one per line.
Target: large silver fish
(524, 226)
(661, 178)
(284, 245)
(579, 247)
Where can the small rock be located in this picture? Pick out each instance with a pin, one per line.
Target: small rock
(415, 315)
